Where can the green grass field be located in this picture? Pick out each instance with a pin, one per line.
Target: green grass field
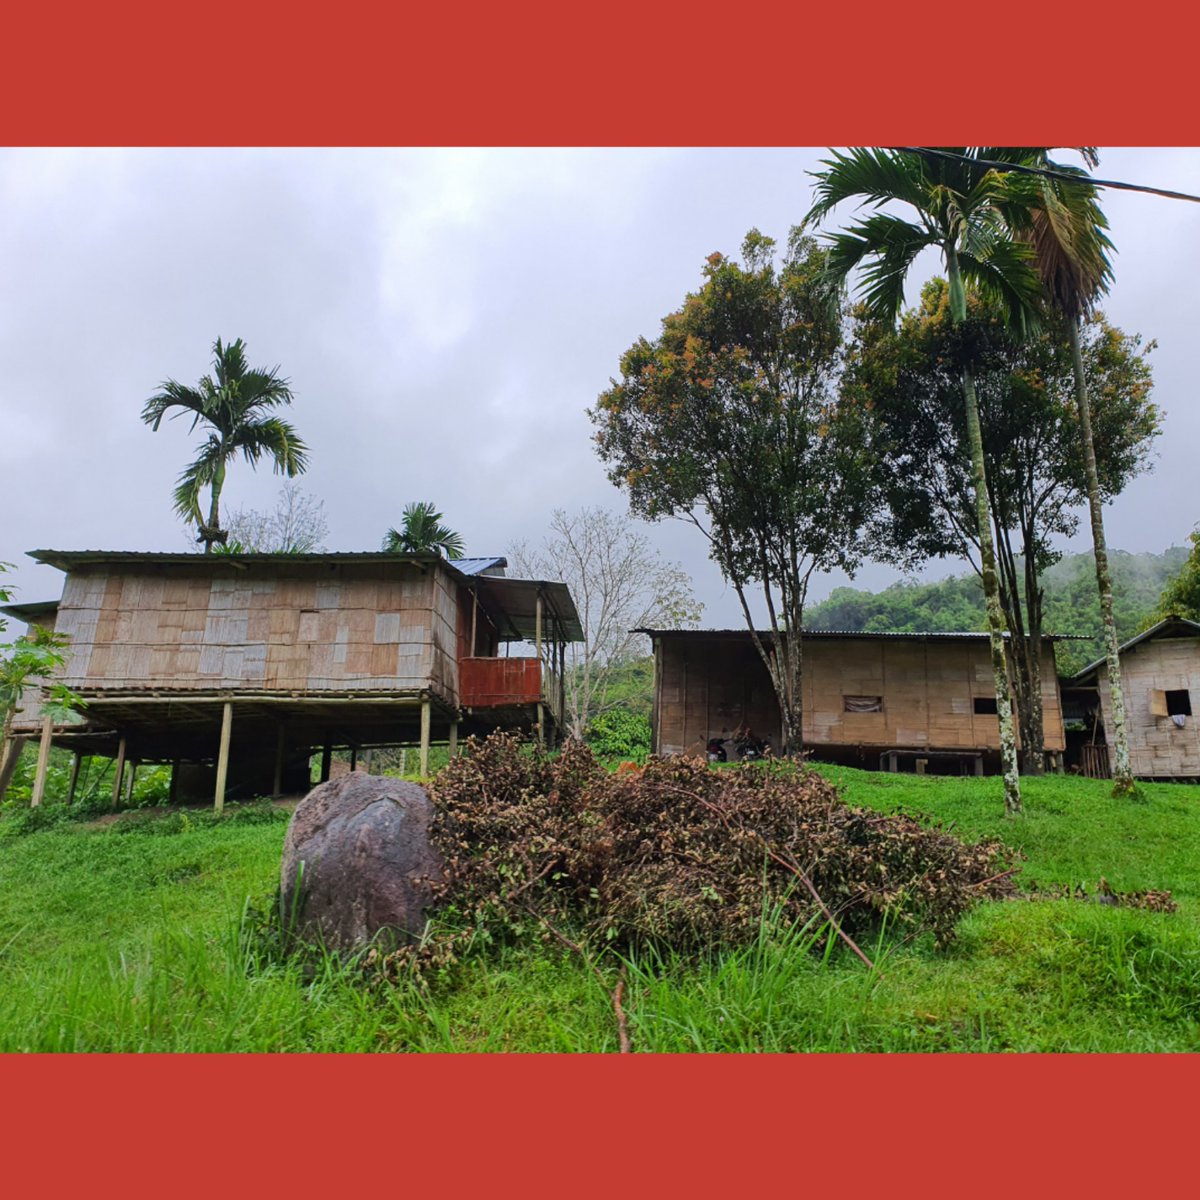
(143, 935)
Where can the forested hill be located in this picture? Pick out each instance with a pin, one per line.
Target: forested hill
(1072, 604)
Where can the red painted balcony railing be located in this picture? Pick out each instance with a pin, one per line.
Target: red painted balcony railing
(506, 683)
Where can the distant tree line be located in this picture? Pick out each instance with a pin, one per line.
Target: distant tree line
(1071, 603)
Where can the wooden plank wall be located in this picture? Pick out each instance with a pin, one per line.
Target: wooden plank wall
(709, 687)
(1157, 746)
(330, 627)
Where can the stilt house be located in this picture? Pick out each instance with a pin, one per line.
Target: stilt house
(236, 668)
(923, 701)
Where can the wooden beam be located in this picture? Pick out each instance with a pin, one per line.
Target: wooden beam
(76, 759)
(537, 626)
(326, 760)
(452, 740)
(425, 723)
(133, 768)
(562, 688)
(223, 756)
(119, 771)
(43, 762)
(353, 759)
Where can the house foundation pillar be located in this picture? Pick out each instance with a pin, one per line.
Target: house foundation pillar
(223, 756)
(43, 763)
(426, 717)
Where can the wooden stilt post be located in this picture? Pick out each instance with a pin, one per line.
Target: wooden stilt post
(452, 740)
(426, 716)
(562, 686)
(326, 759)
(133, 766)
(223, 756)
(277, 783)
(76, 759)
(10, 754)
(43, 763)
(370, 762)
(353, 759)
(537, 642)
(119, 771)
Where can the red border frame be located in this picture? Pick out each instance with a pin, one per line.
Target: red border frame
(633, 72)
(581, 1126)
(536, 73)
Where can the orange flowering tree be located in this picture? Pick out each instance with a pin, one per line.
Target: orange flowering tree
(733, 419)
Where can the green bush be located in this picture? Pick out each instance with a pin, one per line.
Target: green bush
(619, 733)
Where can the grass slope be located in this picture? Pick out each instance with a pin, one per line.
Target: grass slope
(139, 936)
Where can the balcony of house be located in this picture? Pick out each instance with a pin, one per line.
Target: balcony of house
(492, 685)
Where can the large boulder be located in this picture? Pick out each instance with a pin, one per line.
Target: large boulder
(359, 847)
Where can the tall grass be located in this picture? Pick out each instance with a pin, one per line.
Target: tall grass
(139, 936)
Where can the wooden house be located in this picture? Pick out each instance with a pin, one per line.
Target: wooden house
(875, 700)
(238, 667)
(1160, 684)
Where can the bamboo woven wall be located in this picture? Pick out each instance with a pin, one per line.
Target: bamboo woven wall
(288, 627)
(709, 687)
(1157, 746)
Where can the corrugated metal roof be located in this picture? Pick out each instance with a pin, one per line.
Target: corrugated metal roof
(964, 635)
(31, 609)
(479, 566)
(1153, 631)
(65, 560)
(512, 605)
(62, 559)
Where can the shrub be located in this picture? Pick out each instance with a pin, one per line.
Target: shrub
(679, 855)
(619, 733)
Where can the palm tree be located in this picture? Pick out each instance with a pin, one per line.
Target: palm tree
(964, 210)
(422, 532)
(1063, 222)
(233, 405)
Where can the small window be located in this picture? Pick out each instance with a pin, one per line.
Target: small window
(862, 704)
(985, 706)
(1179, 703)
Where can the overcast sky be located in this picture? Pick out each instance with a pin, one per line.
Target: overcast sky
(445, 318)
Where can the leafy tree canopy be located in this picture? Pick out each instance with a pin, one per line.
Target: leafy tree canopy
(732, 419)
(910, 377)
(422, 532)
(234, 405)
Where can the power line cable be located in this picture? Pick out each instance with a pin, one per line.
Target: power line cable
(932, 152)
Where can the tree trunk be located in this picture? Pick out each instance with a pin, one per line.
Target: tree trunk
(214, 509)
(987, 556)
(1035, 736)
(1023, 647)
(1123, 784)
